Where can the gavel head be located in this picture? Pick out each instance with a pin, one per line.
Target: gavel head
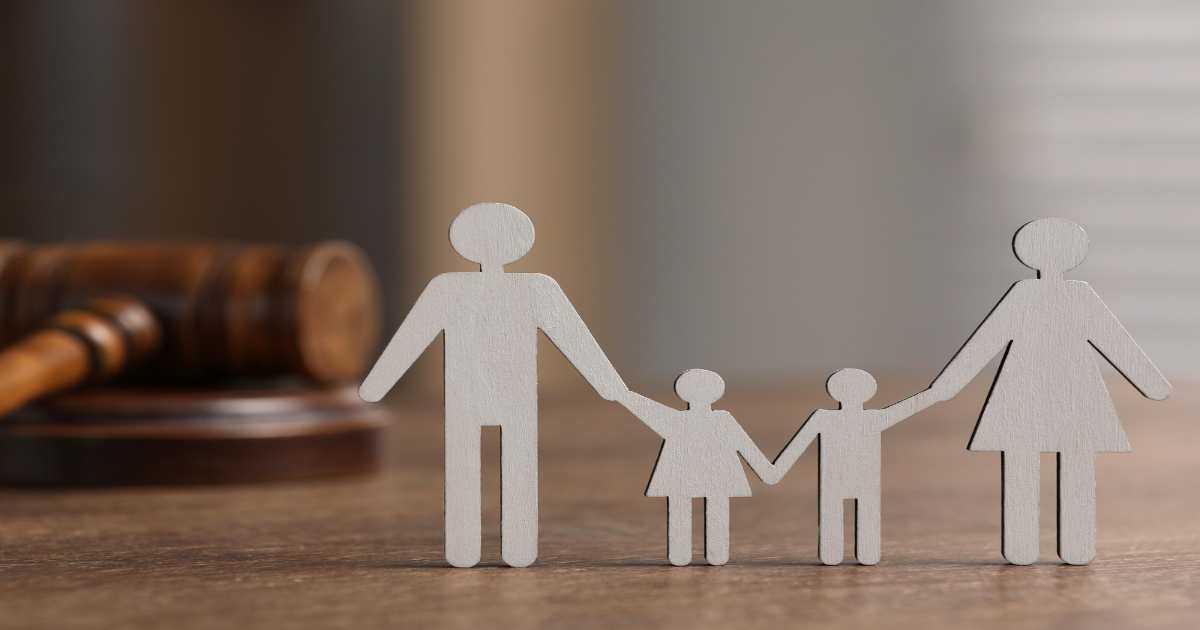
(224, 310)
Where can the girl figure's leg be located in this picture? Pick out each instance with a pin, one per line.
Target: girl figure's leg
(831, 542)
(1077, 507)
(679, 530)
(866, 528)
(716, 530)
(1020, 492)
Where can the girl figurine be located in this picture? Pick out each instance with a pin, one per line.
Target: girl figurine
(698, 458)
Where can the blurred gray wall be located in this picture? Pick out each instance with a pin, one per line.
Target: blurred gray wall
(1091, 110)
(816, 185)
(766, 188)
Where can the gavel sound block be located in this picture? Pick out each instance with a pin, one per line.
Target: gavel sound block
(233, 362)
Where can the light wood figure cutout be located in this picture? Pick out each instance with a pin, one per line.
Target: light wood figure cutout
(849, 460)
(1048, 395)
(490, 319)
(698, 459)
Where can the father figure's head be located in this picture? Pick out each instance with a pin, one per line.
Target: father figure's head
(492, 235)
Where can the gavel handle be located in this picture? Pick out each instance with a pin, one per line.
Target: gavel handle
(88, 345)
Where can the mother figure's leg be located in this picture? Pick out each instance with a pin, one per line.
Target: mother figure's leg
(1077, 507)
(679, 530)
(1020, 496)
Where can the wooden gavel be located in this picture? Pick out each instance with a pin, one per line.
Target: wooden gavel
(85, 313)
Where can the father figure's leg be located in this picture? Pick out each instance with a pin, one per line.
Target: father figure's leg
(462, 492)
(519, 490)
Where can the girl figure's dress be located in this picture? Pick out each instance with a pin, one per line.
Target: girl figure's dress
(699, 456)
(698, 459)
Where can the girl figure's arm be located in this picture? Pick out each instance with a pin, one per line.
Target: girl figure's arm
(751, 453)
(659, 417)
(797, 445)
(1117, 346)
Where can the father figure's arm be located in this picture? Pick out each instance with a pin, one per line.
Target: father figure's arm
(562, 324)
(420, 327)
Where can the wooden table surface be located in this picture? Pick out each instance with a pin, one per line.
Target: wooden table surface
(362, 553)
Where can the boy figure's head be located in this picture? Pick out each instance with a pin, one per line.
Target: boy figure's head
(699, 388)
(851, 387)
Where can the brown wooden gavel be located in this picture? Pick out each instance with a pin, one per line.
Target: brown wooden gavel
(84, 313)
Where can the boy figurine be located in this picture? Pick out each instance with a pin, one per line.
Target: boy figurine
(849, 460)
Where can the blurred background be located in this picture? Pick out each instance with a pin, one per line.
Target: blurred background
(767, 189)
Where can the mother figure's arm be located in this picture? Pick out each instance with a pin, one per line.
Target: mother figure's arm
(1114, 342)
(986, 342)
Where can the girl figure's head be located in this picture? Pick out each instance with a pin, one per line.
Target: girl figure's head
(699, 388)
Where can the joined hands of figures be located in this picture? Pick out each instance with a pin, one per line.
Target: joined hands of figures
(772, 473)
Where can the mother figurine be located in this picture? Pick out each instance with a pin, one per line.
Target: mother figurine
(1049, 395)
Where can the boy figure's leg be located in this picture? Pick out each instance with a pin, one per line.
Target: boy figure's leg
(831, 537)
(867, 527)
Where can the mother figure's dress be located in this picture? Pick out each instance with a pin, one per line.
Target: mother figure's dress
(1049, 395)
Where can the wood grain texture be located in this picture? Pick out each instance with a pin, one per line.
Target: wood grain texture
(367, 553)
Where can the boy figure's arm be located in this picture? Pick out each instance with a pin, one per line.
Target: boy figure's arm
(909, 406)
(797, 445)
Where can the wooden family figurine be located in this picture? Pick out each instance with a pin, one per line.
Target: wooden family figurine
(1048, 397)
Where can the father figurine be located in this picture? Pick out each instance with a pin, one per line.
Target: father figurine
(491, 319)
